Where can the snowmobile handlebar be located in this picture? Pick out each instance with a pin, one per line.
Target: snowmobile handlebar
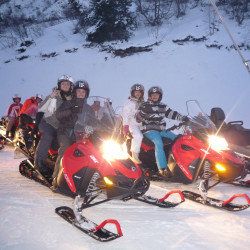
(176, 126)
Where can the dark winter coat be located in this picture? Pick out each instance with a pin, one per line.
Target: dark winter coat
(152, 115)
(67, 115)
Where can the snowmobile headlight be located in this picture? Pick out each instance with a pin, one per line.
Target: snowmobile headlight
(108, 181)
(220, 168)
(113, 150)
(218, 143)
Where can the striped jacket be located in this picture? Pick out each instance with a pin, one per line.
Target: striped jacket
(152, 116)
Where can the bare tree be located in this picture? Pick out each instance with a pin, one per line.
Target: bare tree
(154, 11)
(181, 6)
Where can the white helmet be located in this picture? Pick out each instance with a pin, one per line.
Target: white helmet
(16, 96)
(39, 96)
(64, 78)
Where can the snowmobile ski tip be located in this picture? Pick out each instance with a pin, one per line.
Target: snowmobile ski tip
(98, 232)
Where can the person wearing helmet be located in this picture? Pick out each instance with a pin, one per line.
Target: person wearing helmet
(98, 109)
(12, 115)
(67, 115)
(130, 125)
(152, 114)
(29, 110)
(48, 124)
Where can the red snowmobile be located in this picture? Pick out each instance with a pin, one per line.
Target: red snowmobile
(198, 152)
(95, 170)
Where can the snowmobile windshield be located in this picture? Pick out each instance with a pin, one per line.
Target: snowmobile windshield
(99, 118)
(199, 120)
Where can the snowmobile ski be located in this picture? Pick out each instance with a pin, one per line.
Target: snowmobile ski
(241, 183)
(212, 202)
(161, 202)
(98, 232)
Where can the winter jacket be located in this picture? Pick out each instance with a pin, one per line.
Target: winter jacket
(152, 116)
(30, 106)
(67, 114)
(129, 110)
(49, 106)
(14, 110)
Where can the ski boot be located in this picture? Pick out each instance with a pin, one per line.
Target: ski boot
(54, 186)
(42, 168)
(135, 157)
(165, 173)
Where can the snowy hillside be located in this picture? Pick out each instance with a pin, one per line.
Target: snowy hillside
(216, 77)
(36, 10)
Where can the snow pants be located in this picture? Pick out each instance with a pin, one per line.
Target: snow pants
(48, 134)
(64, 142)
(11, 121)
(11, 128)
(137, 138)
(156, 138)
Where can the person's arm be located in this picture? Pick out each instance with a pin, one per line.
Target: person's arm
(174, 115)
(141, 113)
(25, 105)
(43, 103)
(10, 109)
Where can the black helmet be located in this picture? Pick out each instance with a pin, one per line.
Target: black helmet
(64, 78)
(137, 87)
(155, 89)
(82, 84)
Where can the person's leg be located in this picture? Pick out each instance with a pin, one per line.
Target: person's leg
(160, 156)
(48, 133)
(169, 135)
(10, 124)
(64, 142)
(136, 142)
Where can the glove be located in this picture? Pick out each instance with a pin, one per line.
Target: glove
(185, 119)
(125, 130)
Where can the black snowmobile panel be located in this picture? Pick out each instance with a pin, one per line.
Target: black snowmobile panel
(147, 144)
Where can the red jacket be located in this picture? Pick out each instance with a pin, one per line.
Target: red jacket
(28, 104)
(14, 109)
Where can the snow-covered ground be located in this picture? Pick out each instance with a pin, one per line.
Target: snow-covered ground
(190, 71)
(28, 219)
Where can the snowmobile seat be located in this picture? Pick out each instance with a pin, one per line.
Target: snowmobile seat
(234, 132)
(217, 116)
(237, 134)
